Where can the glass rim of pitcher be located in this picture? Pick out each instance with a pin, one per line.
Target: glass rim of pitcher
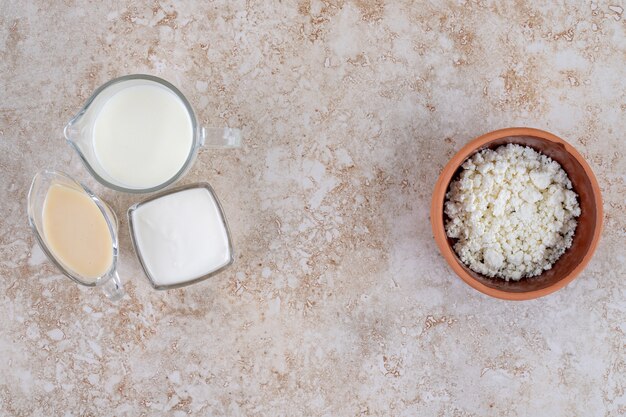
(194, 125)
(44, 246)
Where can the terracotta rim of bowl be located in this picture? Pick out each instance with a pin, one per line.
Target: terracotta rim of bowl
(441, 187)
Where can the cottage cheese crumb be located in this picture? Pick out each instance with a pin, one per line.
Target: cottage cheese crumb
(512, 211)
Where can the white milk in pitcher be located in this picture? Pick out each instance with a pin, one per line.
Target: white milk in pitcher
(142, 136)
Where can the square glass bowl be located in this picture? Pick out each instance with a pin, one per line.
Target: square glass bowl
(181, 236)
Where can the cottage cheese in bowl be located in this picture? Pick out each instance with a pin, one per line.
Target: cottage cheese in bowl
(512, 212)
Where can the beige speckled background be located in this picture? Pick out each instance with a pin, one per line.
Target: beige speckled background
(338, 303)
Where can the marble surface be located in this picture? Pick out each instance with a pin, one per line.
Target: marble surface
(338, 303)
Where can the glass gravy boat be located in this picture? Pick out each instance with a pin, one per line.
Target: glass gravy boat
(109, 281)
(79, 132)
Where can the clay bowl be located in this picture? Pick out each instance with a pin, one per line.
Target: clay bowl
(587, 234)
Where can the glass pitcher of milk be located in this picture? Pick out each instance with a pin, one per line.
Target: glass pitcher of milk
(76, 230)
(139, 134)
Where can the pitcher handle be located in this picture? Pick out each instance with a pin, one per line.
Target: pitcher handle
(112, 287)
(225, 138)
